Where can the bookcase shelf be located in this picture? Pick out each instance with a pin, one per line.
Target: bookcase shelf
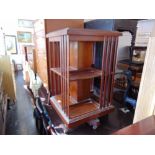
(79, 74)
(79, 109)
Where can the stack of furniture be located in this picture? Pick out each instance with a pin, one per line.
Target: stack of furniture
(41, 28)
(73, 72)
(137, 55)
(9, 84)
(3, 106)
(135, 65)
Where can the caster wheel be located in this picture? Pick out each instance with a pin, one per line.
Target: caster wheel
(95, 127)
(94, 123)
(66, 130)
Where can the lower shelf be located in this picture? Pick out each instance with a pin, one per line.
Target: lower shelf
(83, 108)
(79, 113)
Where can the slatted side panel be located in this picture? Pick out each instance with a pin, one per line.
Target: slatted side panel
(113, 66)
(103, 79)
(108, 70)
(58, 79)
(64, 68)
(50, 54)
(53, 64)
(67, 75)
(54, 48)
(62, 73)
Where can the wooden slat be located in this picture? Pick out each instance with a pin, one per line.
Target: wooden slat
(53, 64)
(110, 69)
(68, 77)
(113, 68)
(57, 65)
(50, 64)
(65, 73)
(58, 55)
(107, 72)
(106, 61)
(61, 63)
(103, 76)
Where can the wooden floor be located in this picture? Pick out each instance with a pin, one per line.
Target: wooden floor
(20, 119)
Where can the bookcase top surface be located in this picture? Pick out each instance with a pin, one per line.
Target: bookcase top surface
(82, 32)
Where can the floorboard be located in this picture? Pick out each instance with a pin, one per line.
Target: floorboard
(20, 120)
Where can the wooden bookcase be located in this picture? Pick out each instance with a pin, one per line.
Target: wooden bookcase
(72, 73)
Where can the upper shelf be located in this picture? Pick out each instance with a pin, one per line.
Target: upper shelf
(83, 32)
(80, 74)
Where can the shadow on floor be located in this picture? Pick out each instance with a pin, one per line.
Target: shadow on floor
(20, 119)
(115, 121)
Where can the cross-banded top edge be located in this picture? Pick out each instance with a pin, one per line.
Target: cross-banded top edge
(82, 32)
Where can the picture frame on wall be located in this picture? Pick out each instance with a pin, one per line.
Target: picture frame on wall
(11, 44)
(24, 37)
(25, 23)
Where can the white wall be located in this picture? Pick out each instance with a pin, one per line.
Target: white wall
(144, 31)
(124, 42)
(123, 50)
(10, 27)
(2, 47)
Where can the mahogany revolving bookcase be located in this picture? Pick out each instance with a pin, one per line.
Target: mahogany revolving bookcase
(71, 60)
